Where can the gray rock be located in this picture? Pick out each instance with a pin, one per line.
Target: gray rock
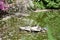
(33, 29)
(0, 38)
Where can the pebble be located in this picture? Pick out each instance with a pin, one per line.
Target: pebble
(0, 38)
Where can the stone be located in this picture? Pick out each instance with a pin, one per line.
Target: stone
(0, 38)
(29, 28)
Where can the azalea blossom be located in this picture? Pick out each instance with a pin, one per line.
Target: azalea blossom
(3, 6)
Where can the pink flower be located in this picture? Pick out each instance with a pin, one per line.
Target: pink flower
(3, 6)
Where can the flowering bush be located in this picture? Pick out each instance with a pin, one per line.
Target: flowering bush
(3, 6)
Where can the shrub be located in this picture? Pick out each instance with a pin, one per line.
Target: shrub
(53, 4)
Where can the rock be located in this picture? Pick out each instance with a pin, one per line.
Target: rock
(0, 38)
(33, 29)
(25, 28)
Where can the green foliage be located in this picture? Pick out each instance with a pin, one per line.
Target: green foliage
(10, 28)
(10, 1)
(12, 31)
(34, 36)
(49, 32)
(51, 19)
(39, 5)
(53, 4)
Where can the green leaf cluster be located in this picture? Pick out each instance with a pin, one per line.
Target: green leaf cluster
(49, 4)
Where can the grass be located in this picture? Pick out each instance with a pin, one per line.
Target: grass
(51, 19)
(49, 32)
(10, 28)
